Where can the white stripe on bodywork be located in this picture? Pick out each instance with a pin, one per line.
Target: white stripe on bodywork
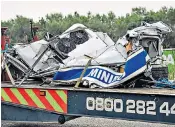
(147, 58)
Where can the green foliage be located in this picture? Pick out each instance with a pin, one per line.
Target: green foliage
(56, 23)
(171, 67)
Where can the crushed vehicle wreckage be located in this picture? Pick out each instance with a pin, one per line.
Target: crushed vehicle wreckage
(91, 59)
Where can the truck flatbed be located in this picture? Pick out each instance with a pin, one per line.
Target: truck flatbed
(145, 104)
(159, 91)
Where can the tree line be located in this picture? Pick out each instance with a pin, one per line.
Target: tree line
(56, 23)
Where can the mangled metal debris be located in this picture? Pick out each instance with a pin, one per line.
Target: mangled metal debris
(137, 52)
(111, 64)
(43, 58)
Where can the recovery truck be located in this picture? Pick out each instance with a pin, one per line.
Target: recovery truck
(28, 100)
(31, 102)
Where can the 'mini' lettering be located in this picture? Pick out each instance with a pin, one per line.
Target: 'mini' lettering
(93, 73)
(103, 75)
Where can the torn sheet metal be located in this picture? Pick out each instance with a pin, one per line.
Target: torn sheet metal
(148, 36)
(30, 53)
(74, 42)
(106, 77)
(104, 56)
(72, 49)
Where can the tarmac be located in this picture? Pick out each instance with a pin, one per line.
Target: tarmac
(87, 122)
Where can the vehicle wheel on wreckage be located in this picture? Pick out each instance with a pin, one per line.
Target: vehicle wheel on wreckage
(160, 72)
(157, 73)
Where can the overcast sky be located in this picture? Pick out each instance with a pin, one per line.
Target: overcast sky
(37, 9)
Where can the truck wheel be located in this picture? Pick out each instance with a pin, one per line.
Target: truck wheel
(160, 72)
(61, 119)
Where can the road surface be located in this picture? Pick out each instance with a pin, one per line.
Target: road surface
(87, 122)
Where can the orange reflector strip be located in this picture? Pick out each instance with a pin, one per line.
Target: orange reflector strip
(42, 93)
